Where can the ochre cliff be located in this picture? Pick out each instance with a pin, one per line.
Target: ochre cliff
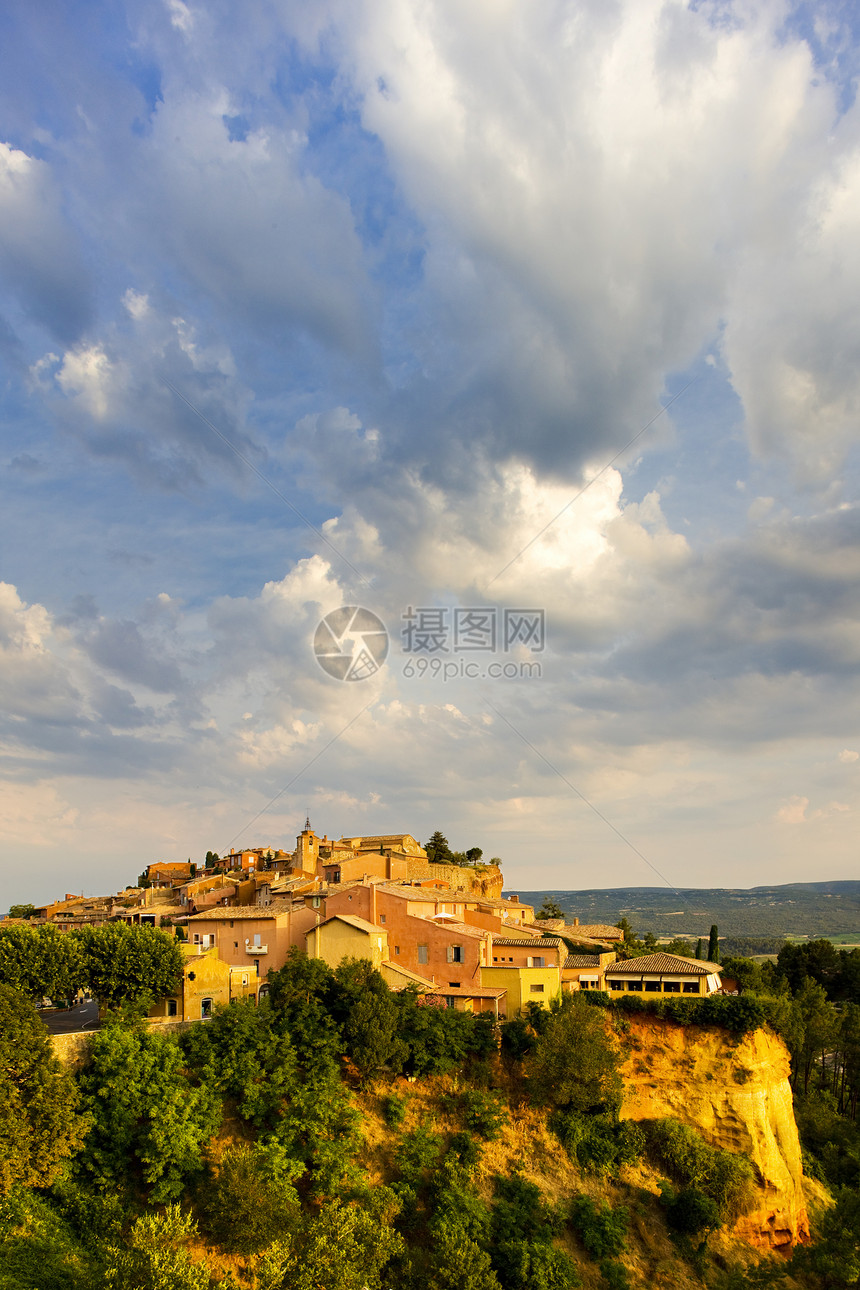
(734, 1090)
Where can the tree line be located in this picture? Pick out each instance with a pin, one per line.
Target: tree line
(118, 964)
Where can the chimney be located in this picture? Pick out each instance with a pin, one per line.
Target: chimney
(576, 922)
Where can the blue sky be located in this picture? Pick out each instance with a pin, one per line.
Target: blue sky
(311, 305)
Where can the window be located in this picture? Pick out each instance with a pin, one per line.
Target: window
(235, 945)
(206, 1008)
(171, 1008)
(634, 985)
(672, 987)
(455, 954)
(691, 987)
(536, 962)
(615, 985)
(382, 920)
(536, 989)
(652, 987)
(422, 954)
(450, 1001)
(397, 949)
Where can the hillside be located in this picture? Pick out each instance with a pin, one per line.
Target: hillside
(812, 909)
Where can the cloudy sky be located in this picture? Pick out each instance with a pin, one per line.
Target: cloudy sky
(377, 303)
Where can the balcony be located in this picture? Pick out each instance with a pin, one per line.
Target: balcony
(252, 948)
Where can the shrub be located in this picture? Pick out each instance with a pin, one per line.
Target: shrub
(483, 1113)
(691, 1212)
(243, 1208)
(394, 1110)
(721, 1175)
(602, 1230)
(417, 1153)
(614, 1275)
(598, 1143)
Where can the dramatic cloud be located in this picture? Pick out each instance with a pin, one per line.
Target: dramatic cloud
(377, 303)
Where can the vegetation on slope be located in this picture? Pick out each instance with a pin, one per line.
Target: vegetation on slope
(342, 1136)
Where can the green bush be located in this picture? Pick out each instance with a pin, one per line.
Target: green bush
(599, 1143)
(723, 1176)
(614, 1275)
(482, 1113)
(417, 1153)
(394, 1110)
(534, 1265)
(602, 1230)
(243, 1208)
(691, 1212)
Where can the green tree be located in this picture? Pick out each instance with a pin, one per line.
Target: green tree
(573, 1065)
(363, 1006)
(473, 855)
(438, 851)
(40, 1124)
(245, 1208)
(714, 945)
(699, 948)
(242, 1055)
(41, 962)
(156, 1255)
(346, 1247)
(129, 966)
(150, 1123)
(22, 911)
(550, 909)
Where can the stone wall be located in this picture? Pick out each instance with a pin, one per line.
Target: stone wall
(73, 1049)
(486, 881)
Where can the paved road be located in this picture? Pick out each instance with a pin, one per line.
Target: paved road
(84, 1017)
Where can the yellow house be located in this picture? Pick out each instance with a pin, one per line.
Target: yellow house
(663, 974)
(206, 982)
(586, 971)
(528, 969)
(345, 936)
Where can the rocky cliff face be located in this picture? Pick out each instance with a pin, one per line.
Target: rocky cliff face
(735, 1092)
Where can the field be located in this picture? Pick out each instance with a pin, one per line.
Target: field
(811, 909)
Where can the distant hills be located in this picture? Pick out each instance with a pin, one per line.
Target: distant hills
(793, 909)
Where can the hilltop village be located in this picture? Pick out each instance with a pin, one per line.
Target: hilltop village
(443, 930)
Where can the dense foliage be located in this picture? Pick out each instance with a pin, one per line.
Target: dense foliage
(121, 966)
(136, 1188)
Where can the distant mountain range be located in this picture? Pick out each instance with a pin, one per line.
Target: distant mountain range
(793, 909)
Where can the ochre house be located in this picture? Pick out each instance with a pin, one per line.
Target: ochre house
(663, 974)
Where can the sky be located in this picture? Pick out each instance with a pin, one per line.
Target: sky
(529, 329)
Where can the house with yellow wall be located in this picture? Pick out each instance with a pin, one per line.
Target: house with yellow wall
(586, 971)
(205, 983)
(663, 974)
(345, 936)
(528, 970)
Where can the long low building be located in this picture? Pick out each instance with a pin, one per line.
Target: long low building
(663, 974)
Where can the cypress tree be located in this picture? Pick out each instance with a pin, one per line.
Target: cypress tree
(714, 945)
(699, 948)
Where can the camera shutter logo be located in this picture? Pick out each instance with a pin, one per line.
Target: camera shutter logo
(351, 643)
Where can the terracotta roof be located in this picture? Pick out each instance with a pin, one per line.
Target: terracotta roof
(241, 911)
(462, 929)
(354, 921)
(529, 941)
(411, 978)
(470, 991)
(429, 895)
(582, 961)
(594, 931)
(662, 963)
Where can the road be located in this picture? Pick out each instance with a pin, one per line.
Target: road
(84, 1017)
